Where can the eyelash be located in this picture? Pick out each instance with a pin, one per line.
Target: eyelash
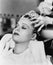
(23, 27)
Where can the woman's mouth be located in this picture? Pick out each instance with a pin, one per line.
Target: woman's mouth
(16, 33)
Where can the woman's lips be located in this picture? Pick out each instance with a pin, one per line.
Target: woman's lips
(16, 33)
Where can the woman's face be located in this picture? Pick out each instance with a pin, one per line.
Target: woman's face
(23, 31)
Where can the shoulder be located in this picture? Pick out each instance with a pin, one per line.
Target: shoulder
(40, 43)
(35, 43)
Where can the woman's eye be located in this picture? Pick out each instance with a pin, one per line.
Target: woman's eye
(23, 27)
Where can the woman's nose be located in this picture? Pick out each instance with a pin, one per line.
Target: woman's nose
(18, 29)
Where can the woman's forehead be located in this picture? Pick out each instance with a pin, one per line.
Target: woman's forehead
(25, 21)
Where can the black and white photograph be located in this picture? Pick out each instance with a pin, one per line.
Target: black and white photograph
(26, 32)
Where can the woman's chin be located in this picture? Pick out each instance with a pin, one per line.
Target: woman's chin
(17, 40)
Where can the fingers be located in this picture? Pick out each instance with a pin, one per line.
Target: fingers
(7, 51)
(39, 23)
(7, 45)
(35, 22)
(32, 12)
(40, 27)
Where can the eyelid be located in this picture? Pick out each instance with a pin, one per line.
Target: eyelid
(24, 27)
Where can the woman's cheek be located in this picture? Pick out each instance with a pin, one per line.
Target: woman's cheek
(29, 35)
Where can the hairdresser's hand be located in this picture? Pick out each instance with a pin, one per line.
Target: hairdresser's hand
(37, 19)
(45, 8)
(42, 21)
(39, 22)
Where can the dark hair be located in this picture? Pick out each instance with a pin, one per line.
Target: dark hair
(27, 16)
(35, 28)
(38, 37)
(32, 16)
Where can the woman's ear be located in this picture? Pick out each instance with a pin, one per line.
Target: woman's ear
(33, 36)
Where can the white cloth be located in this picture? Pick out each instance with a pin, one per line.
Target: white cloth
(34, 55)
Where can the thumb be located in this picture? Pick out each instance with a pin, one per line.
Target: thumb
(6, 49)
(40, 27)
(7, 46)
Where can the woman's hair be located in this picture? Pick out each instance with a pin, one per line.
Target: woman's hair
(32, 16)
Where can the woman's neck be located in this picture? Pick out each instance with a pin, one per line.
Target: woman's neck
(20, 47)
